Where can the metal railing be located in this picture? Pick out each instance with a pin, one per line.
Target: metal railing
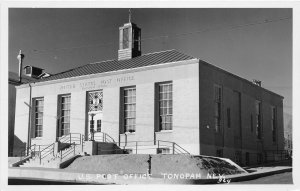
(135, 147)
(31, 150)
(71, 138)
(47, 151)
(102, 137)
(175, 148)
(276, 155)
(42, 151)
(68, 152)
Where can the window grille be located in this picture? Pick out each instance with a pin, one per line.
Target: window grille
(95, 101)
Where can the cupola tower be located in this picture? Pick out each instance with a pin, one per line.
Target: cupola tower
(129, 40)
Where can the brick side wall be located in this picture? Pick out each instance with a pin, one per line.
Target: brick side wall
(230, 140)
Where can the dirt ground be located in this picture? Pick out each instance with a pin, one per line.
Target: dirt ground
(118, 164)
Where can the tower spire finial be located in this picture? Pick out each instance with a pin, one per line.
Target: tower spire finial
(129, 15)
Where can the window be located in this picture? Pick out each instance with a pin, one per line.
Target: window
(129, 109)
(247, 161)
(65, 101)
(219, 153)
(125, 38)
(165, 106)
(228, 118)
(217, 105)
(98, 125)
(259, 158)
(258, 119)
(127, 151)
(273, 123)
(38, 116)
(28, 70)
(251, 122)
(163, 151)
(238, 157)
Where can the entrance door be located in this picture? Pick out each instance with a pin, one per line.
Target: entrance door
(95, 115)
(95, 120)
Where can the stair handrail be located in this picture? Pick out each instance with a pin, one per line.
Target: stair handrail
(139, 145)
(26, 153)
(68, 152)
(51, 150)
(70, 138)
(105, 137)
(175, 147)
(178, 146)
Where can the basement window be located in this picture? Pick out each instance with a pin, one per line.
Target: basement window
(163, 151)
(219, 152)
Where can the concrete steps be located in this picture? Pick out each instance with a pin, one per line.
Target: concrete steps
(53, 161)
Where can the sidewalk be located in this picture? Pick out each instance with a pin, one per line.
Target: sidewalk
(93, 178)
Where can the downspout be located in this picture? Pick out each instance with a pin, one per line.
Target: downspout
(29, 119)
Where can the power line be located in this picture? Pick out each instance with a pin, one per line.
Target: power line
(266, 21)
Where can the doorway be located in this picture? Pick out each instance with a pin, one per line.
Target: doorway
(95, 114)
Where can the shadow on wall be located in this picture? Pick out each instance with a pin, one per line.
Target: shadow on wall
(19, 146)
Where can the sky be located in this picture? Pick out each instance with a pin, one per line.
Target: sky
(251, 43)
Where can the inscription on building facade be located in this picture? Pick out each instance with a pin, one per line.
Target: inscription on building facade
(87, 85)
(94, 84)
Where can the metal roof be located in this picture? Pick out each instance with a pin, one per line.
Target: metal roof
(115, 65)
(14, 78)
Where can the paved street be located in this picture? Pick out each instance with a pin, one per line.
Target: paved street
(283, 178)
(33, 181)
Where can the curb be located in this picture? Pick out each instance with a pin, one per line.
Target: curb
(254, 175)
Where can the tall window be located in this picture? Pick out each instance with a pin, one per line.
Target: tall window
(125, 38)
(129, 109)
(251, 122)
(273, 123)
(217, 105)
(228, 118)
(258, 119)
(38, 116)
(165, 106)
(98, 125)
(65, 101)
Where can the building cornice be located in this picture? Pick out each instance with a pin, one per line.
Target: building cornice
(118, 72)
